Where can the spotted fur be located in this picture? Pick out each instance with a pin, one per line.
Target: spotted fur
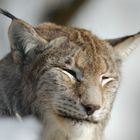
(65, 76)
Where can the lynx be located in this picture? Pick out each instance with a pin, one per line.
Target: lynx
(64, 76)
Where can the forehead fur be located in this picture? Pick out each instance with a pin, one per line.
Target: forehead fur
(95, 48)
(79, 36)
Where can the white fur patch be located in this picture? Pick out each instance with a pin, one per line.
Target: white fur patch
(29, 47)
(100, 114)
(83, 131)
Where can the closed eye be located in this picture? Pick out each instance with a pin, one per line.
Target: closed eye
(105, 79)
(71, 73)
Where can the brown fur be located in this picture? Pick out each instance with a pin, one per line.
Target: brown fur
(66, 77)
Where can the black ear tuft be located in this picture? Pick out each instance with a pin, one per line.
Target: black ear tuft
(125, 45)
(23, 38)
(6, 13)
(119, 40)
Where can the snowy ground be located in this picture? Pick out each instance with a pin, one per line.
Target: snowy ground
(13, 129)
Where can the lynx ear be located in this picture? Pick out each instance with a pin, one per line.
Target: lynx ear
(125, 45)
(23, 38)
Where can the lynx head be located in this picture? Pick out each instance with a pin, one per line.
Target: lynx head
(73, 74)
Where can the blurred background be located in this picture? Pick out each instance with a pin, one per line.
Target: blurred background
(106, 19)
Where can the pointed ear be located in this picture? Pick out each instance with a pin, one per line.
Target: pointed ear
(125, 45)
(23, 38)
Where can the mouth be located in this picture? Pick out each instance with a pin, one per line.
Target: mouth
(73, 111)
(76, 119)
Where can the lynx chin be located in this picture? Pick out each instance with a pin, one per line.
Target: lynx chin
(64, 76)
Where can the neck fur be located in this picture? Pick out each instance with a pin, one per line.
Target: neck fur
(77, 131)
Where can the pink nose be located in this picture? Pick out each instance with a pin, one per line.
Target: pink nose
(91, 108)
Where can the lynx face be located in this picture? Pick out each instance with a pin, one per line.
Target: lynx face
(81, 83)
(69, 73)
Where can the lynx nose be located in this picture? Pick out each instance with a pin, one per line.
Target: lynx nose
(91, 108)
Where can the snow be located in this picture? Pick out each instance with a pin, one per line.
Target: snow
(13, 129)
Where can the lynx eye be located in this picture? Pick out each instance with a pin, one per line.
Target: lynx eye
(105, 79)
(72, 74)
